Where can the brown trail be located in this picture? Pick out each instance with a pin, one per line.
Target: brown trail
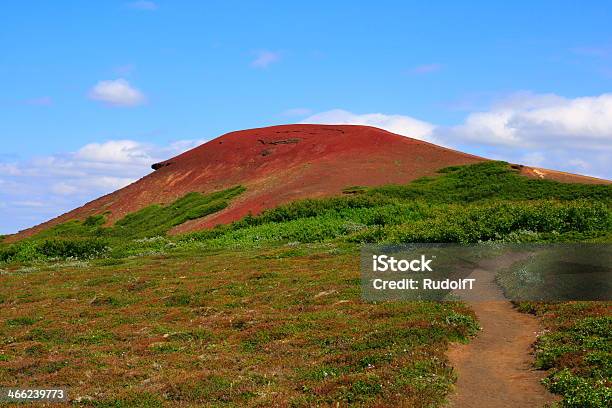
(495, 369)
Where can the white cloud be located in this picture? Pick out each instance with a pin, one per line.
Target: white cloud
(265, 58)
(117, 92)
(111, 183)
(400, 124)
(527, 120)
(143, 5)
(115, 151)
(62, 182)
(9, 169)
(63, 188)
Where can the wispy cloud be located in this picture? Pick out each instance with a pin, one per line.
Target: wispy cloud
(143, 5)
(264, 59)
(297, 112)
(426, 69)
(400, 124)
(117, 92)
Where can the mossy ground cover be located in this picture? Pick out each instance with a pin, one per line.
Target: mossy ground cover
(273, 327)
(267, 310)
(577, 349)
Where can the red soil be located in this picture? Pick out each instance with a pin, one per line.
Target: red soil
(277, 164)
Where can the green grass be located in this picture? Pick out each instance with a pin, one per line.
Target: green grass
(481, 202)
(492, 180)
(577, 349)
(550, 272)
(157, 220)
(151, 221)
(138, 231)
(267, 310)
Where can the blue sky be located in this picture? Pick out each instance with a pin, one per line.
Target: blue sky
(92, 91)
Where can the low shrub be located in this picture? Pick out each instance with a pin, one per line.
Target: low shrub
(579, 392)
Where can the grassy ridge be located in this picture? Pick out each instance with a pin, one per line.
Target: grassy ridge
(90, 238)
(544, 220)
(481, 202)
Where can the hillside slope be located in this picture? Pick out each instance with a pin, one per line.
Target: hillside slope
(280, 164)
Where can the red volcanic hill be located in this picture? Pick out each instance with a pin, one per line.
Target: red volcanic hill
(279, 164)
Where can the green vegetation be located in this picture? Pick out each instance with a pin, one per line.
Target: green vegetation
(91, 239)
(481, 202)
(267, 310)
(576, 347)
(247, 327)
(157, 220)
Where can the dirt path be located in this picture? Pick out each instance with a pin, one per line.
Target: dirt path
(494, 369)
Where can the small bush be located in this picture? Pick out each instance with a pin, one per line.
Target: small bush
(78, 249)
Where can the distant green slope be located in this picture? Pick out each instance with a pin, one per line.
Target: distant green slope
(90, 238)
(480, 202)
(465, 204)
